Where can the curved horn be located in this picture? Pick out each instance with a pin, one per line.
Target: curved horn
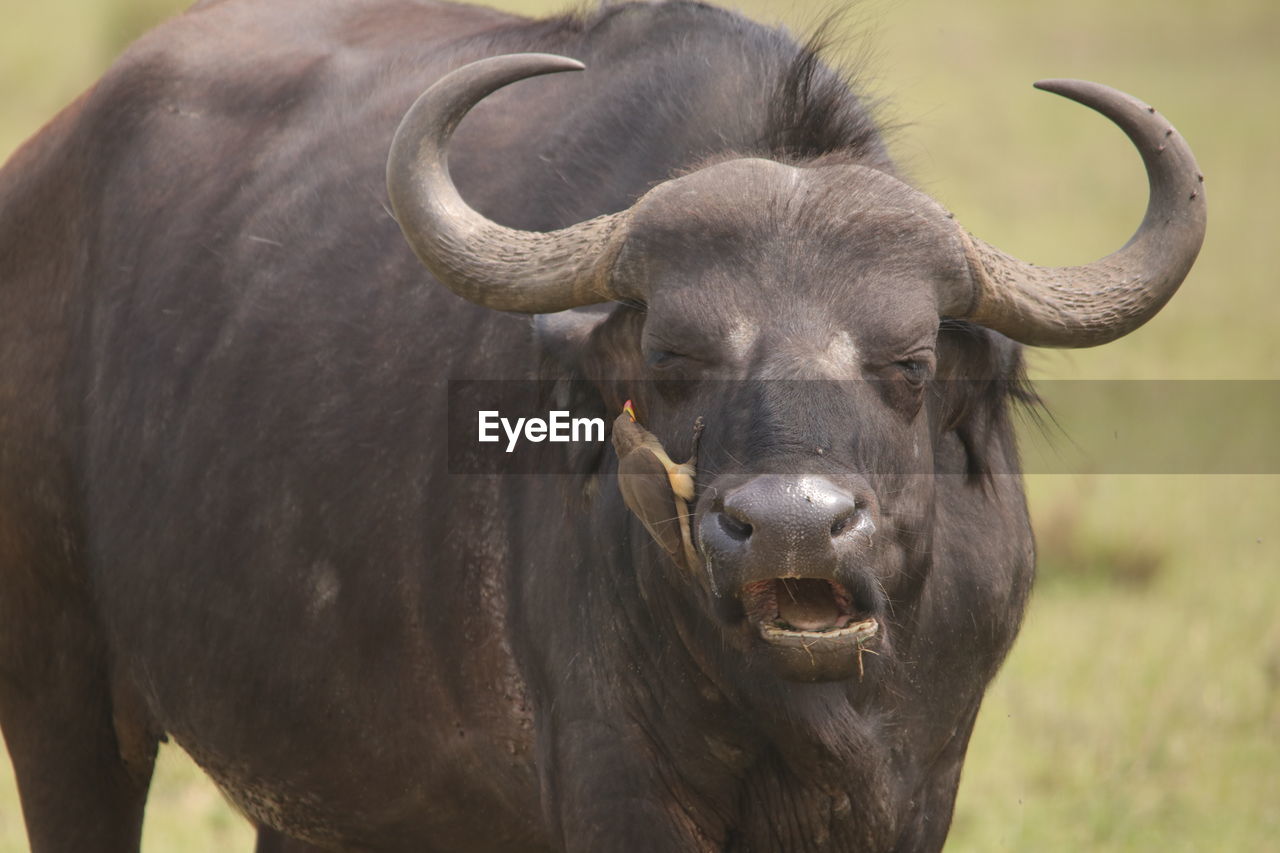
(480, 260)
(1099, 302)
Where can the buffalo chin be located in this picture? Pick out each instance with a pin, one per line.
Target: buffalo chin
(818, 655)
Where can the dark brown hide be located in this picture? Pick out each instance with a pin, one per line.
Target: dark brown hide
(228, 515)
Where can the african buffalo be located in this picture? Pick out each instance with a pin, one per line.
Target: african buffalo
(764, 622)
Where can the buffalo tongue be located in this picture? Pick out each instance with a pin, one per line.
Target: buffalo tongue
(808, 604)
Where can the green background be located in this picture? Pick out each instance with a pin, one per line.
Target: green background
(1140, 708)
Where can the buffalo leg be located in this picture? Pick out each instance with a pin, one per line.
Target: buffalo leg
(80, 748)
(77, 790)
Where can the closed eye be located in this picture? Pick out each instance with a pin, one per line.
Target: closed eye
(915, 371)
(661, 358)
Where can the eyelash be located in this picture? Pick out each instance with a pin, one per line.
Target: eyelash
(915, 371)
(660, 358)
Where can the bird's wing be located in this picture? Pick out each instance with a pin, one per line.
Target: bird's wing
(643, 481)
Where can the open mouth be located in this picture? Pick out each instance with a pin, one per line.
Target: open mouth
(790, 609)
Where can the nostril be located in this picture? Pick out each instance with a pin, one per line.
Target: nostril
(850, 516)
(844, 521)
(735, 528)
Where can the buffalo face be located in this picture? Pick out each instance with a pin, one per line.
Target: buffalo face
(805, 341)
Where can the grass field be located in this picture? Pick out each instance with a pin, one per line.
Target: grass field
(1140, 708)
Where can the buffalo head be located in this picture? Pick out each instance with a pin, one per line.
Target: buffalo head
(806, 311)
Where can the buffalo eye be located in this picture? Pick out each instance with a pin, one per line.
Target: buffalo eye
(914, 371)
(902, 382)
(661, 359)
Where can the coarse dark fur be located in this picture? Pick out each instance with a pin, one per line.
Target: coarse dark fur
(225, 510)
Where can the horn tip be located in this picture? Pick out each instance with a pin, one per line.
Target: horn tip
(557, 62)
(1061, 85)
(1094, 95)
(1112, 103)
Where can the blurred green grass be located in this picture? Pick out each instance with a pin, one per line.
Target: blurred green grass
(1140, 708)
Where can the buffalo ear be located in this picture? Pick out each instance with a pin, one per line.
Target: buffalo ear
(981, 374)
(561, 336)
(562, 341)
(592, 345)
